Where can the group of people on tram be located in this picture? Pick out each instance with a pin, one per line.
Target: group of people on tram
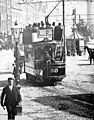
(57, 29)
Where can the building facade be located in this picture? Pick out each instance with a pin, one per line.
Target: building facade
(5, 18)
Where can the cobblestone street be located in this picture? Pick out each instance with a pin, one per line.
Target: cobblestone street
(46, 66)
(60, 102)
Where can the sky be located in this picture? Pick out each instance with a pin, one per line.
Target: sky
(81, 9)
(56, 15)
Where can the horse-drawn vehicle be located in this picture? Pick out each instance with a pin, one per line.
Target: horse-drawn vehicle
(90, 48)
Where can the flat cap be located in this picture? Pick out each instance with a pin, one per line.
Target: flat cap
(10, 78)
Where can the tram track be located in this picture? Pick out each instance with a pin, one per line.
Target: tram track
(59, 89)
(58, 98)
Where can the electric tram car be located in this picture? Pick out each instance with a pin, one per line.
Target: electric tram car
(45, 58)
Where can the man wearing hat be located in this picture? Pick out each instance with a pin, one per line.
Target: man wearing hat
(58, 32)
(10, 98)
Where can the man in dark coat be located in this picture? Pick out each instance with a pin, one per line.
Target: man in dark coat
(10, 98)
(58, 32)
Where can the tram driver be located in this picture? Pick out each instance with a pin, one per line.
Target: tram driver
(47, 57)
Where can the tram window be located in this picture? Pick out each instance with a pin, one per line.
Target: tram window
(39, 55)
(29, 53)
(58, 53)
(26, 53)
(48, 49)
(32, 52)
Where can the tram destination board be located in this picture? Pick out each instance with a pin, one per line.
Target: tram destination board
(45, 33)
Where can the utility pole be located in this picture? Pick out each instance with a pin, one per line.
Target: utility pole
(63, 32)
(73, 30)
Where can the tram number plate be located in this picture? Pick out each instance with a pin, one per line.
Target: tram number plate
(54, 70)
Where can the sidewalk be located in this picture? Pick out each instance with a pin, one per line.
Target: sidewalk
(3, 115)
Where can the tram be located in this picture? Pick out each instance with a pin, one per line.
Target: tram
(44, 56)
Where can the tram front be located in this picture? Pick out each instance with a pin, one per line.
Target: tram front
(49, 61)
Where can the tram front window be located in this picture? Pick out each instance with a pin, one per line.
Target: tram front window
(59, 53)
(52, 54)
(39, 54)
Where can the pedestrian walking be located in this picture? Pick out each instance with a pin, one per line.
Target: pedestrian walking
(10, 97)
(91, 56)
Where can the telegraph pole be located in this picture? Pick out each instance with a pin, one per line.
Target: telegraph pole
(63, 35)
(63, 32)
(73, 30)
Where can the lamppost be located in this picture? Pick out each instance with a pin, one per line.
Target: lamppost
(16, 32)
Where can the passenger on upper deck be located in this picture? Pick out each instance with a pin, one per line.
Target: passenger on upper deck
(58, 32)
